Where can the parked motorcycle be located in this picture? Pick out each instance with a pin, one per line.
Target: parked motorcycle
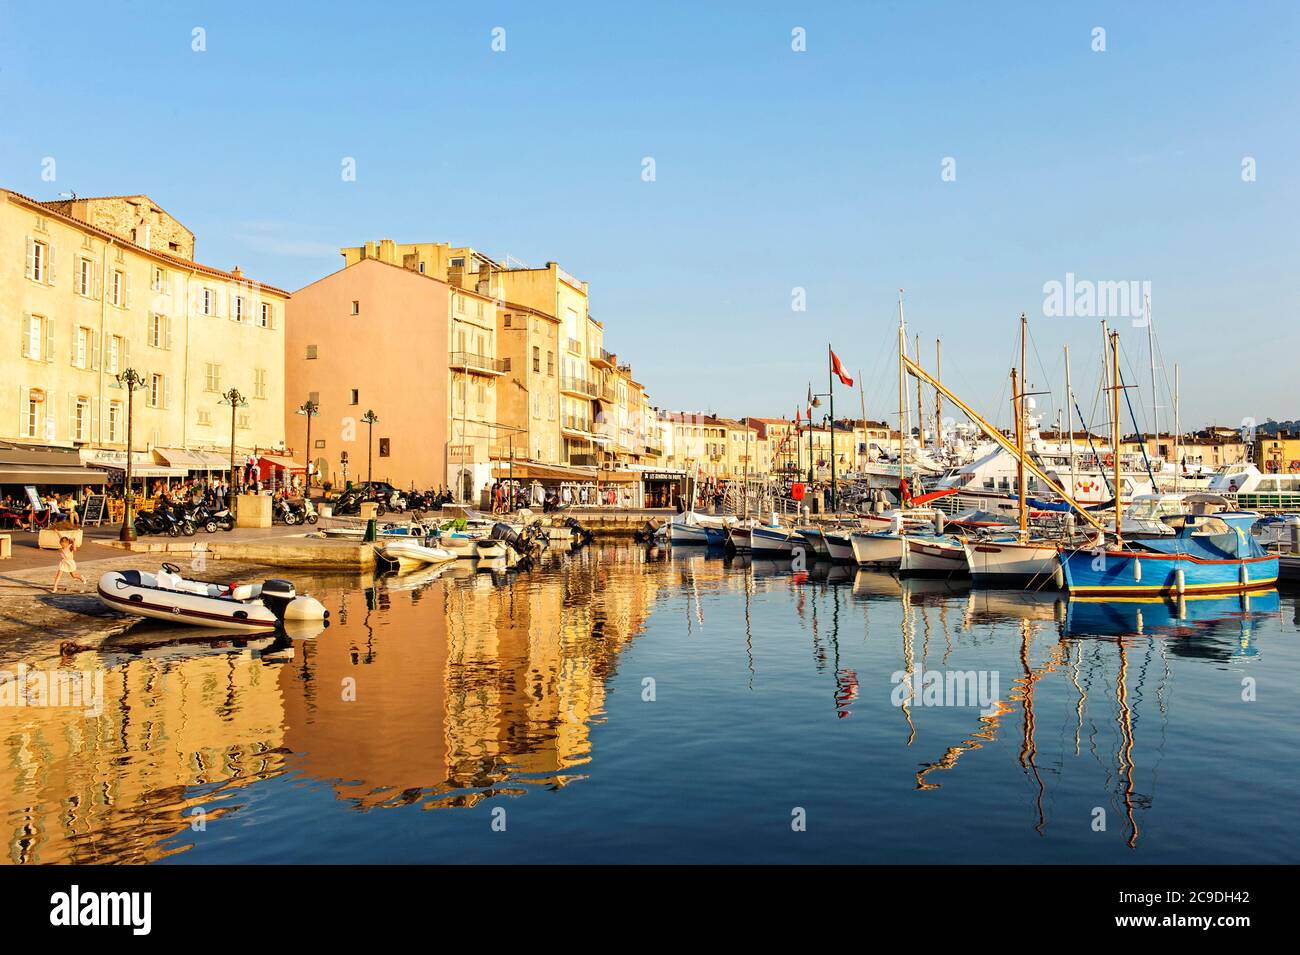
(212, 520)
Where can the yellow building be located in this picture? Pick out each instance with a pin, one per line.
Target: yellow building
(1278, 453)
(91, 286)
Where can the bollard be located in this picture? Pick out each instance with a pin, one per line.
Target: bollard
(372, 532)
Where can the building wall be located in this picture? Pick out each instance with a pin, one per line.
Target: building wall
(394, 352)
(90, 332)
(137, 218)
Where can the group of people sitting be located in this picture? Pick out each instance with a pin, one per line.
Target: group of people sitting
(54, 509)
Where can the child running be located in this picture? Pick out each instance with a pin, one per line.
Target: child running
(67, 563)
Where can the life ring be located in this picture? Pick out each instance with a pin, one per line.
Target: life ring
(1108, 461)
(1295, 466)
(1271, 465)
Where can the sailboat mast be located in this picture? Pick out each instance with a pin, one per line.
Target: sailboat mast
(1018, 402)
(1114, 430)
(1178, 431)
(938, 396)
(1105, 368)
(1069, 418)
(902, 399)
(1151, 350)
(920, 405)
(862, 396)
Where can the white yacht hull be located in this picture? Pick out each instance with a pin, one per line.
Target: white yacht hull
(877, 550)
(991, 561)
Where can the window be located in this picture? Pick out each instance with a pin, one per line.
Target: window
(311, 352)
(356, 396)
(115, 421)
(157, 391)
(458, 261)
(35, 344)
(81, 348)
(356, 307)
(159, 279)
(259, 382)
(480, 309)
(205, 418)
(212, 377)
(550, 363)
(460, 304)
(537, 359)
(81, 419)
(243, 422)
(421, 268)
(383, 447)
(209, 302)
(115, 353)
(38, 261)
(85, 277)
(159, 331)
(117, 294)
(505, 364)
(314, 398)
(237, 309)
(506, 321)
(31, 413)
(266, 315)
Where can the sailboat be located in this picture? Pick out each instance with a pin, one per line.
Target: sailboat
(1207, 554)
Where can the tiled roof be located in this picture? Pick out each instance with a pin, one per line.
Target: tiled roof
(44, 208)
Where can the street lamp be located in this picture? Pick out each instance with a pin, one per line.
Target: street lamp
(236, 401)
(369, 418)
(132, 381)
(310, 409)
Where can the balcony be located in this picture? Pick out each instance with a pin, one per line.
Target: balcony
(604, 359)
(577, 386)
(574, 346)
(607, 391)
(576, 423)
(477, 364)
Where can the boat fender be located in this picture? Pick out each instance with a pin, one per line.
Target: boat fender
(1180, 581)
(1137, 571)
(1245, 576)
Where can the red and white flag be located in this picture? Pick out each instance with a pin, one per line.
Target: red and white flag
(839, 371)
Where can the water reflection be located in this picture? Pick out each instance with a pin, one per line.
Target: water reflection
(444, 688)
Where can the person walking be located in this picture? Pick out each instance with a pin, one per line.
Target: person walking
(67, 563)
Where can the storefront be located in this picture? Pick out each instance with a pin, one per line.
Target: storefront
(206, 464)
(276, 471)
(48, 469)
(663, 488)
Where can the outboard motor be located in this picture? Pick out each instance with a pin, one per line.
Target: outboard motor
(581, 535)
(281, 598)
(504, 532)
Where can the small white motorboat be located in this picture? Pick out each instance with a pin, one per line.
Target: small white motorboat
(408, 554)
(839, 547)
(775, 542)
(169, 596)
(931, 555)
(459, 544)
(872, 549)
(489, 548)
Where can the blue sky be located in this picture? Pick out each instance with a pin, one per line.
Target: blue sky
(775, 169)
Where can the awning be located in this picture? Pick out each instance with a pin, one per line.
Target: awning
(20, 475)
(527, 471)
(281, 462)
(194, 460)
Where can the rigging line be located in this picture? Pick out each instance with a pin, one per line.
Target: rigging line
(1145, 459)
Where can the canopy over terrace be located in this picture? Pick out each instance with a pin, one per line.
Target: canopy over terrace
(188, 460)
(23, 464)
(143, 464)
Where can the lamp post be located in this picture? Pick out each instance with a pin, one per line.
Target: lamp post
(132, 381)
(236, 401)
(309, 409)
(369, 418)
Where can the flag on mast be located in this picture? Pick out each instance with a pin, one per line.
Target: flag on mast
(839, 371)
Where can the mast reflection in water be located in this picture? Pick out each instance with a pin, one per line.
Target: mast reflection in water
(625, 705)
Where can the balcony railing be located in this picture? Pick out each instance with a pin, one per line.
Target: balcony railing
(575, 346)
(464, 359)
(576, 423)
(579, 386)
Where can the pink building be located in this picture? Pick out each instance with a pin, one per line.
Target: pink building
(377, 337)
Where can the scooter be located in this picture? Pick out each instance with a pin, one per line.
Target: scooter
(283, 511)
(211, 520)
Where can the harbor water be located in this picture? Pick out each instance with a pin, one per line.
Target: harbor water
(622, 705)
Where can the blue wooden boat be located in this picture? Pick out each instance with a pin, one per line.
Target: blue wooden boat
(1208, 554)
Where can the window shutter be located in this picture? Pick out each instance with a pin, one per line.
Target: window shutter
(22, 412)
(72, 416)
(51, 409)
(167, 391)
(94, 419)
(126, 284)
(96, 280)
(167, 326)
(125, 360)
(75, 335)
(24, 334)
(53, 254)
(31, 258)
(49, 340)
(94, 351)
